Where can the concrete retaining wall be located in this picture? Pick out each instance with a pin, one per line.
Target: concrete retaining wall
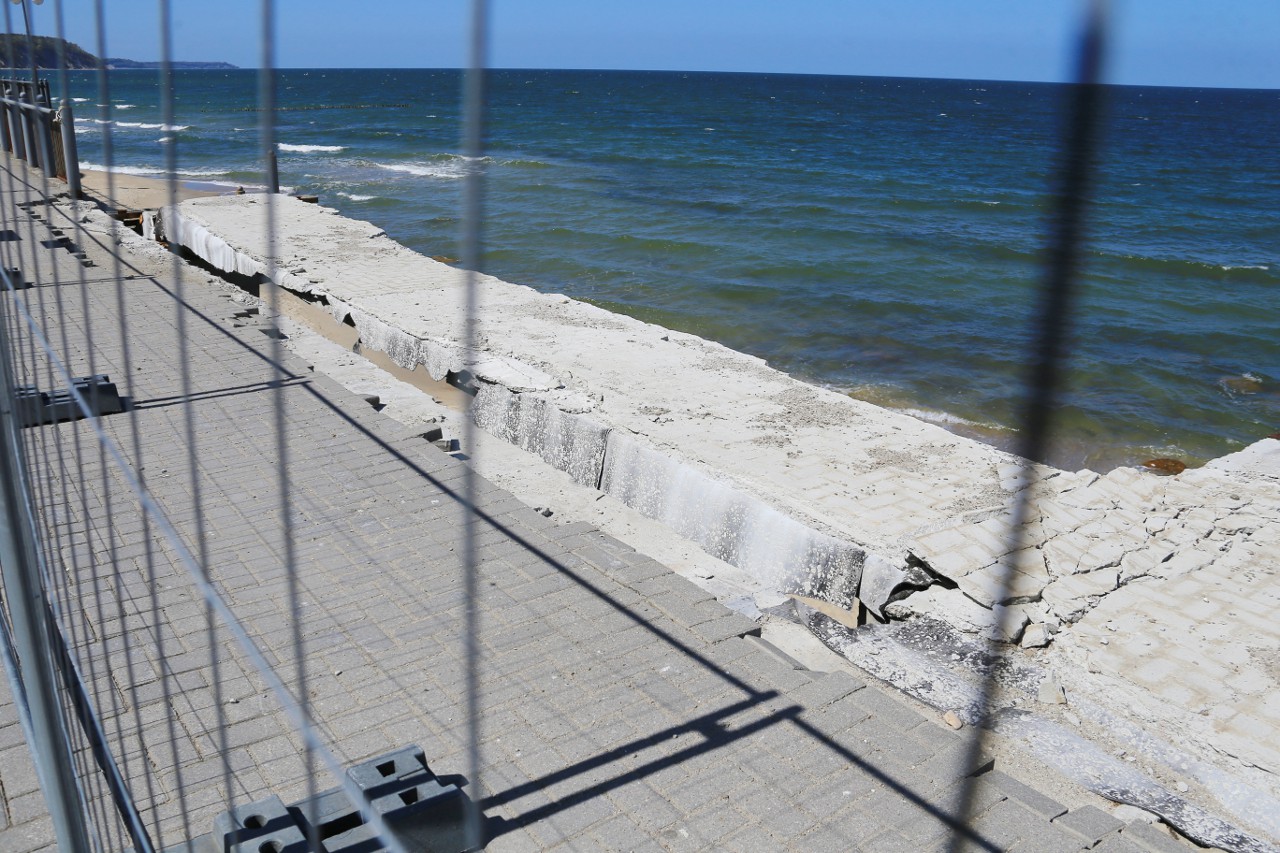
(513, 401)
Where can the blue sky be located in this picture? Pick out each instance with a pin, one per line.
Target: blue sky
(1158, 42)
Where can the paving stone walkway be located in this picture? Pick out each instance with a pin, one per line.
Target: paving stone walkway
(622, 707)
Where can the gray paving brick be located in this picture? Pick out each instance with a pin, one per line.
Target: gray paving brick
(982, 796)
(889, 709)
(725, 627)
(1005, 824)
(1152, 838)
(711, 824)
(1117, 844)
(893, 809)
(617, 833)
(19, 774)
(890, 841)
(827, 839)
(750, 839)
(645, 806)
(1028, 797)
(515, 841)
(955, 761)
(1049, 839)
(937, 737)
(602, 559)
(1088, 823)
(826, 689)
(29, 836)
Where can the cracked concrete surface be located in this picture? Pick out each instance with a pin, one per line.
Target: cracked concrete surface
(1153, 595)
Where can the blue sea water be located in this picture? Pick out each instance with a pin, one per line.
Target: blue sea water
(878, 236)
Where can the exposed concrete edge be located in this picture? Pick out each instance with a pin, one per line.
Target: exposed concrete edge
(518, 403)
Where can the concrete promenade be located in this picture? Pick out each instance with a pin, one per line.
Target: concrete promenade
(622, 707)
(1150, 599)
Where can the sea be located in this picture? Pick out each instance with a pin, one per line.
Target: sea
(882, 237)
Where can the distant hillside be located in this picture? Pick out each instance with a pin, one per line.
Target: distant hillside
(133, 63)
(13, 54)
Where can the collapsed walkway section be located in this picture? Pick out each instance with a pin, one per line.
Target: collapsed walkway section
(813, 493)
(693, 432)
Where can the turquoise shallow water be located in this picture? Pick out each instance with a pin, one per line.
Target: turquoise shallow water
(878, 236)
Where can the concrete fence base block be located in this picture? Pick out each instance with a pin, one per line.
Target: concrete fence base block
(423, 812)
(35, 407)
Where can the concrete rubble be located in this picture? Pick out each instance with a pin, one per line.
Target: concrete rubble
(1159, 590)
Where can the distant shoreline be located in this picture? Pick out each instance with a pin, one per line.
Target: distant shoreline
(51, 53)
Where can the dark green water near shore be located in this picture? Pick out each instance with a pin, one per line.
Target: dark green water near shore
(877, 236)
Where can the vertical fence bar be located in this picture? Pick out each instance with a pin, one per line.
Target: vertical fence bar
(190, 434)
(29, 614)
(1051, 327)
(473, 116)
(273, 294)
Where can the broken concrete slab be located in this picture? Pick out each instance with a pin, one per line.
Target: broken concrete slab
(571, 443)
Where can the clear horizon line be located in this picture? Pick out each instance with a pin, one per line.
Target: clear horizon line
(694, 71)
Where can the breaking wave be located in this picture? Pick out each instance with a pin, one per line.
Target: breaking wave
(142, 125)
(311, 149)
(447, 166)
(144, 171)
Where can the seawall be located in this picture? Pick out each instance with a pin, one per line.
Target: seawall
(804, 488)
(812, 492)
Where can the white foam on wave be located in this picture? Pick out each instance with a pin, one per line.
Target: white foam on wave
(153, 171)
(944, 418)
(1244, 267)
(142, 125)
(311, 149)
(122, 170)
(79, 100)
(356, 197)
(126, 106)
(453, 167)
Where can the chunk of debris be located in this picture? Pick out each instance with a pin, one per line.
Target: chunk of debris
(1051, 692)
(1165, 466)
(1036, 636)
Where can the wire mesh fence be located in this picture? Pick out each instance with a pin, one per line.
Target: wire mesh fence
(168, 548)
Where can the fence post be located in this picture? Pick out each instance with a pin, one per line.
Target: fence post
(70, 156)
(44, 123)
(6, 139)
(29, 616)
(30, 134)
(14, 114)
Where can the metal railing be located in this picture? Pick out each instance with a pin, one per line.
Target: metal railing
(32, 129)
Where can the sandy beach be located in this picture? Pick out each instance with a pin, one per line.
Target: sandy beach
(138, 192)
